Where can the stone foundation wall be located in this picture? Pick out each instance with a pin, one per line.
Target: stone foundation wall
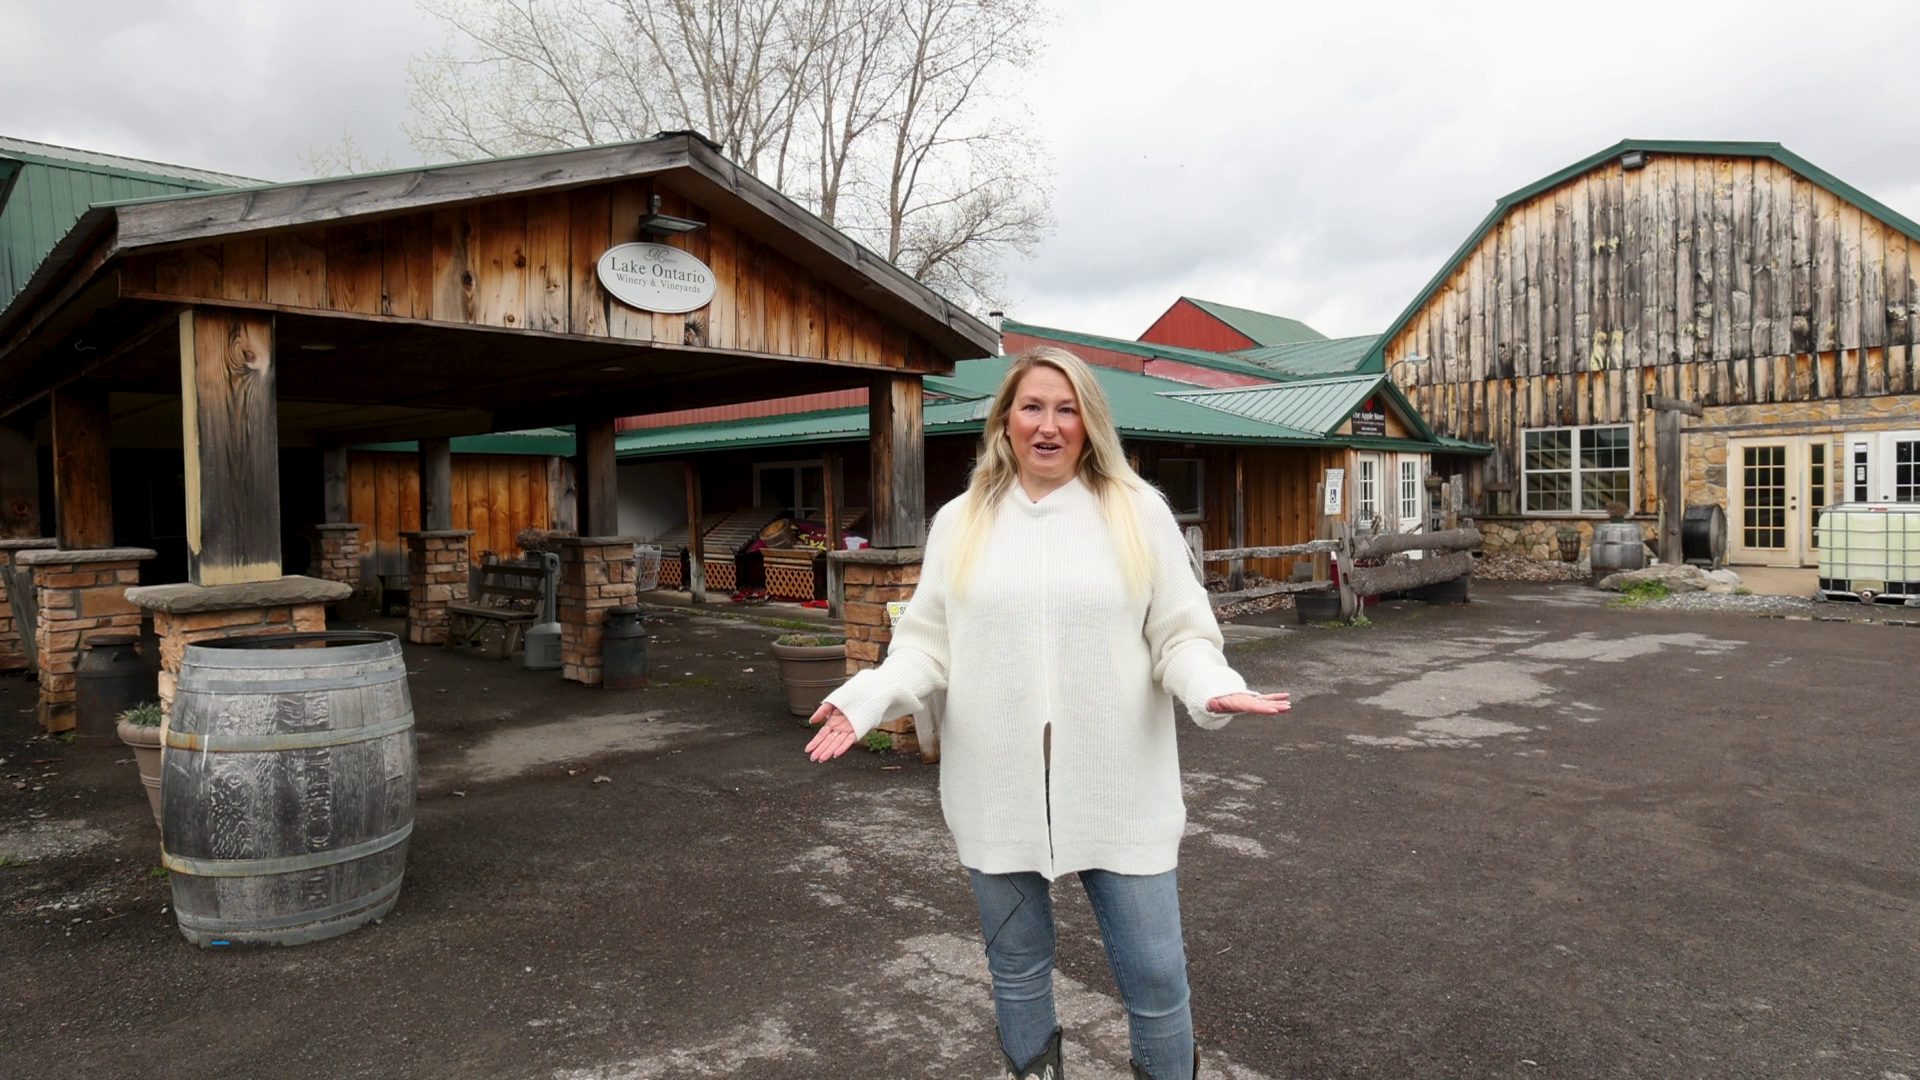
(13, 652)
(1708, 470)
(81, 593)
(337, 554)
(437, 575)
(1539, 538)
(596, 573)
(872, 579)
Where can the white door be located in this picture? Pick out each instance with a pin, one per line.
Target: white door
(1776, 488)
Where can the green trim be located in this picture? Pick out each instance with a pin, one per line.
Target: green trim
(552, 442)
(1144, 349)
(1709, 148)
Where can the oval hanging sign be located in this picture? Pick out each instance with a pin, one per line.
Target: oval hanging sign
(655, 277)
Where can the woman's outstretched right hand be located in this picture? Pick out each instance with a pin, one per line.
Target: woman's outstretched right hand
(835, 736)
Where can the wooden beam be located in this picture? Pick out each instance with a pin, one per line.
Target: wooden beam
(1315, 547)
(229, 425)
(696, 542)
(82, 469)
(1409, 574)
(899, 470)
(1666, 454)
(599, 478)
(1379, 547)
(830, 511)
(1662, 403)
(1237, 569)
(1225, 598)
(333, 484)
(436, 484)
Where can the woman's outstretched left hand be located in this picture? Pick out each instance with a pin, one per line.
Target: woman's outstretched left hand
(1249, 703)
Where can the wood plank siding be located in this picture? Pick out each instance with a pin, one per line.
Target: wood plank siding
(495, 495)
(528, 263)
(1722, 280)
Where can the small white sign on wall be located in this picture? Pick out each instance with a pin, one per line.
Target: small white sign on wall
(1335, 487)
(655, 277)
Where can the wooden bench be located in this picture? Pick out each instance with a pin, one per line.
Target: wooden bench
(504, 596)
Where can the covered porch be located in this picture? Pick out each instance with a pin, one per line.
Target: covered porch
(253, 336)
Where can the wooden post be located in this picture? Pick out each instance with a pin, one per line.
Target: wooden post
(564, 487)
(82, 469)
(1349, 600)
(899, 462)
(333, 483)
(696, 543)
(436, 485)
(1320, 531)
(1237, 569)
(830, 511)
(599, 478)
(1670, 476)
(1666, 456)
(230, 428)
(1197, 553)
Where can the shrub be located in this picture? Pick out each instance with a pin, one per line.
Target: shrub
(145, 714)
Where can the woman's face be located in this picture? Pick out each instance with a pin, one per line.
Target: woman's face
(1046, 430)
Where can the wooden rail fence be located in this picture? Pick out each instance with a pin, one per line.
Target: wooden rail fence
(1449, 556)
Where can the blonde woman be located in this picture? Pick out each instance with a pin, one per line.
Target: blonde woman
(1058, 611)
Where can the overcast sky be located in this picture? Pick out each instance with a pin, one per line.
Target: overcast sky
(1315, 160)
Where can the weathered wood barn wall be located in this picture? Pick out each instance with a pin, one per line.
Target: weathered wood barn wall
(1736, 276)
(495, 495)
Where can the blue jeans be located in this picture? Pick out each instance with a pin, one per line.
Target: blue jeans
(1140, 926)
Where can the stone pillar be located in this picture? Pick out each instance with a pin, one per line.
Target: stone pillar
(339, 555)
(872, 578)
(438, 570)
(596, 573)
(184, 614)
(81, 593)
(13, 652)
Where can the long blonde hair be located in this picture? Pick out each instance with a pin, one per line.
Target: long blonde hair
(1103, 468)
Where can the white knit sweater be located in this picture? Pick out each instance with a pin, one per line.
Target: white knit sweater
(1046, 634)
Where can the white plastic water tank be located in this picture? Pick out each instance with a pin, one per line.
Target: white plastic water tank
(1870, 551)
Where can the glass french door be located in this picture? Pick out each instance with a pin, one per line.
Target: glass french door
(1776, 489)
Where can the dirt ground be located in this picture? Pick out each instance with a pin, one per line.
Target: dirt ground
(1530, 837)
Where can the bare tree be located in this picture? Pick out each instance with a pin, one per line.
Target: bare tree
(890, 118)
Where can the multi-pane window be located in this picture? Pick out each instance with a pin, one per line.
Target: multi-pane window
(1409, 492)
(1906, 471)
(1577, 470)
(1366, 489)
(1182, 481)
(1763, 483)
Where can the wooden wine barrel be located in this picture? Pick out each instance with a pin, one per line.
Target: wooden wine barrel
(287, 786)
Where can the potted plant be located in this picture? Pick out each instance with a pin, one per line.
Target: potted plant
(1569, 544)
(139, 727)
(811, 665)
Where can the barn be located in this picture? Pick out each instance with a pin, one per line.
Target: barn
(1757, 301)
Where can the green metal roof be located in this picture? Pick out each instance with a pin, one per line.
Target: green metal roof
(1145, 407)
(1263, 328)
(44, 189)
(1771, 150)
(1315, 359)
(557, 442)
(1144, 349)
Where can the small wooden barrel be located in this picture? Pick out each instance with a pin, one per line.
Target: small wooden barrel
(287, 786)
(1617, 546)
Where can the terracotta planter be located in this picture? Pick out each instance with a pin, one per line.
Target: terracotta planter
(810, 673)
(146, 752)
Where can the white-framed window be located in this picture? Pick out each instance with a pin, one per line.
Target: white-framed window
(1906, 470)
(1183, 481)
(1576, 470)
(1410, 492)
(1366, 488)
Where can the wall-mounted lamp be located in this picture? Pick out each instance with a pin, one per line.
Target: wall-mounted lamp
(655, 223)
(1633, 159)
(1412, 359)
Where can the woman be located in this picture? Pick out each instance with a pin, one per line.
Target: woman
(1058, 611)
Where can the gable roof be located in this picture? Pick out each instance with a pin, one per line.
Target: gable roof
(1262, 328)
(1772, 150)
(1321, 406)
(1314, 359)
(44, 189)
(1146, 350)
(208, 216)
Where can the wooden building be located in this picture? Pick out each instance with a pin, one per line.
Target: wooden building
(1222, 328)
(424, 304)
(1737, 280)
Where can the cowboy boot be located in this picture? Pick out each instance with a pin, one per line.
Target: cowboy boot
(1044, 1066)
(1140, 1073)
